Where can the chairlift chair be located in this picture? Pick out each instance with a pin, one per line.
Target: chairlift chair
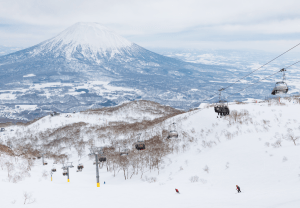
(140, 144)
(124, 152)
(102, 158)
(173, 133)
(53, 169)
(222, 109)
(80, 167)
(65, 173)
(280, 87)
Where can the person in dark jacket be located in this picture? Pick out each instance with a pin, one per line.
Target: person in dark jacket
(177, 191)
(238, 188)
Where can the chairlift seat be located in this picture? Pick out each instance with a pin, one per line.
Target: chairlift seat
(102, 159)
(280, 88)
(222, 108)
(53, 170)
(173, 134)
(140, 146)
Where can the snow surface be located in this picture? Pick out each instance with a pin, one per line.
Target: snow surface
(236, 153)
(29, 75)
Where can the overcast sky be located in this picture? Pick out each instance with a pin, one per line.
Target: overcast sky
(271, 25)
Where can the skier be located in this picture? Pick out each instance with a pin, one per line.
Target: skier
(104, 182)
(177, 191)
(238, 188)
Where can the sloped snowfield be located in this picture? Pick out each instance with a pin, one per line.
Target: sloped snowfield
(252, 148)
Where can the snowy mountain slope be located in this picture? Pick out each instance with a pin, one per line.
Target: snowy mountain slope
(60, 74)
(251, 148)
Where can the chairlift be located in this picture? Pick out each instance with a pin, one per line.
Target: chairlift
(45, 163)
(221, 108)
(280, 87)
(102, 158)
(53, 169)
(124, 152)
(140, 144)
(173, 133)
(80, 167)
(54, 114)
(65, 172)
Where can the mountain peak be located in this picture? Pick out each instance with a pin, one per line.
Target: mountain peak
(86, 38)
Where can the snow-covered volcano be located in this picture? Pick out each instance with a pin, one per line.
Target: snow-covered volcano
(91, 40)
(88, 44)
(88, 66)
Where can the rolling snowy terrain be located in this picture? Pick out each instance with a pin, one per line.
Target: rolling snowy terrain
(255, 147)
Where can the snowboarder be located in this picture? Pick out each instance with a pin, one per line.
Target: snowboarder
(238, 188)
(177, 191)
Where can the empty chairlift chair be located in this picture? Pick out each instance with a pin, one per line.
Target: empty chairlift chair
(280, 87)
(124, 152)
(173, 133)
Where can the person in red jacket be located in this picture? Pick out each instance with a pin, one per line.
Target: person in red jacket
(238, 188)
(177, 191)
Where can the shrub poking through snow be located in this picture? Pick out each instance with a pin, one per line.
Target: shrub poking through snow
(28, 198)
(206, 169)
(194, 179)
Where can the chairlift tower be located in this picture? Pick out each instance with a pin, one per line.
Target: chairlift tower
(51, 174)
(95, 151)
(43, 160)
(66, 167)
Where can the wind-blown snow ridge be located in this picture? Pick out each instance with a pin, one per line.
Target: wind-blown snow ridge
(87, 39)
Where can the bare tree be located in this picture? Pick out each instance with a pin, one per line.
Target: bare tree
(9, 167)
(206, 169)
(28, 198)
(291, 137)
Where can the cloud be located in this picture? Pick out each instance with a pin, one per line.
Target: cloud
(156, 19)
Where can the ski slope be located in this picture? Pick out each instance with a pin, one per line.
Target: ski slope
(252, 151)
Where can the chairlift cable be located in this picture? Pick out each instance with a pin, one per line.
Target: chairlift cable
(262, 66)
(262, 80)
(212, 96)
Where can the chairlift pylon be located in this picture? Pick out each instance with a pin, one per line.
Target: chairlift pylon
(280, 87)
